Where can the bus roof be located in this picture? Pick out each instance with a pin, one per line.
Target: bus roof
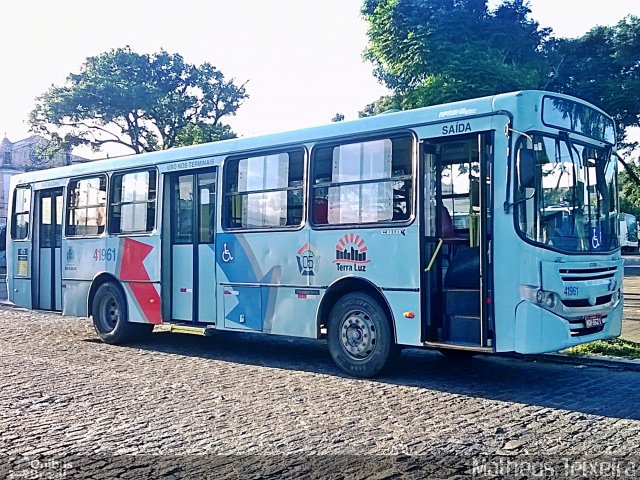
(432, 114)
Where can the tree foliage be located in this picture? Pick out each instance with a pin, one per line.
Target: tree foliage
(436, 51)
(629, 192)
(145, 102)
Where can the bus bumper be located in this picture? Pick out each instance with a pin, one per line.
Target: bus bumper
(540, 331)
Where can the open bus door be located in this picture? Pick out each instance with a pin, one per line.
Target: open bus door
(457, 230)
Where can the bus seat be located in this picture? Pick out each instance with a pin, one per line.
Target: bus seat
(320, 213)
(448, 233)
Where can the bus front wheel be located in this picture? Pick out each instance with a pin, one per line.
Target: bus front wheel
(359, 336)
(110, 318)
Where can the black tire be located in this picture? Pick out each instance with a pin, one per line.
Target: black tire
(457, 355)
(111, 319)
(359, 336)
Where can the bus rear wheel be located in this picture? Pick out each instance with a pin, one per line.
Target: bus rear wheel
(110, 317)
(359, 336)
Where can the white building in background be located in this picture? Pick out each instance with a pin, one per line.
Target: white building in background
(25, 155)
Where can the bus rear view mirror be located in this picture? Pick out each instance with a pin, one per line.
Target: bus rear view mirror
(526, 163)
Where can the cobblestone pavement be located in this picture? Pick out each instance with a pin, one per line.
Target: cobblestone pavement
(63, 393)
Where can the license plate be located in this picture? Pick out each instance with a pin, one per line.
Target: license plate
(591, 321)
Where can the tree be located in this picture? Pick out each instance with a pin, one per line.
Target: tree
(338, 117)
(435, 51)
(193, 134)
(630, 189)
(144, 102)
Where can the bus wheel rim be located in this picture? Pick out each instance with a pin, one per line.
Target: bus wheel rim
(358, 335)
(110, 313)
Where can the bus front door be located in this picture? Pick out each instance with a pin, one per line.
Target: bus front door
(191, 200)
(458, 234)
(48, 281)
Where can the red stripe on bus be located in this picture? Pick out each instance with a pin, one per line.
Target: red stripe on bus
(132, 270)
(149, 301)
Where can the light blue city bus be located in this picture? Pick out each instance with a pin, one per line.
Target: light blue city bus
(481, 226)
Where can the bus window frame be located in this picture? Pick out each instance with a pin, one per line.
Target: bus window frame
(375, 136)
(516, 214)
(577, 132)
(106, 206)
(225, 214)
(29, 212)
(146, 233)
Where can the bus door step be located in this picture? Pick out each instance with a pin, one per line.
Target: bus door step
(462, 302)
(463, 329)
(202, 331)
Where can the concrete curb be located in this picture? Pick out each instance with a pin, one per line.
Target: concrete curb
(602, 361)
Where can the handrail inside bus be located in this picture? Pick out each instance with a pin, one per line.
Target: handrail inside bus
(435, 255)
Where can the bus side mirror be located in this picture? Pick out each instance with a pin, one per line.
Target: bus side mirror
(526, 163)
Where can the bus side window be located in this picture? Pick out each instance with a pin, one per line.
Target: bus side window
(86, 206)
(132, 203)
(363, 182)
(264, 191)
(20, 214)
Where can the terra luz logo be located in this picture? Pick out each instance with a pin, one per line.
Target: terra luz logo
(351, 254)
(307, 260)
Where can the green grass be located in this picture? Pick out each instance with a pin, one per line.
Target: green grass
(614, 348)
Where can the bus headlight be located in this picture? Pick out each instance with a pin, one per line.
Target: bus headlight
(540, 296)
(551, 300)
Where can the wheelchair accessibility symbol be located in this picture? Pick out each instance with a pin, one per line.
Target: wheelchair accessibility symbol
(226, 254)
(596, 238)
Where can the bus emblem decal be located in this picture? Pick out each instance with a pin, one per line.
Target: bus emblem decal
(351, 254)
(307, 259)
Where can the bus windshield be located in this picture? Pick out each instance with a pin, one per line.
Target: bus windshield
(572, 206)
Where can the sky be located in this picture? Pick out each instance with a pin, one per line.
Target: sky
(302, 59)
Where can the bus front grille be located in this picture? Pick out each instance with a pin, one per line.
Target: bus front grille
(586, 274)
(583, 302)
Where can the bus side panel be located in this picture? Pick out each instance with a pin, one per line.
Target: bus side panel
(385, 257)
(19, 270)
(296, 310)
(252, 272)
(75, 294)
(135, 261)
(82, 261)
(143, 302)
(407, 330)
